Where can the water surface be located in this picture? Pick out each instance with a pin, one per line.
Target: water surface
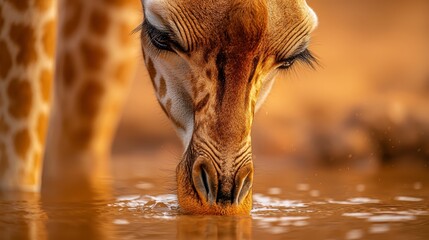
(137, 201)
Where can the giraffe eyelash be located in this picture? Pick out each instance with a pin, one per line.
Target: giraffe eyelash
(148, 30)
(158, 38)
(137, 29)
(160, 42)
(306, 57)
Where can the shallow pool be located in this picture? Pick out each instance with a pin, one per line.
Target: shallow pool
(137, 201)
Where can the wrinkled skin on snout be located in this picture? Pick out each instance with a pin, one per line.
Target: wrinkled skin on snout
(212, 64)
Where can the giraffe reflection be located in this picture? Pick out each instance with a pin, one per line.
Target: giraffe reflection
(85, 198)
(205, 227)
(31, 225)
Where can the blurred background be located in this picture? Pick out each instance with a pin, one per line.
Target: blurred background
(367, 105)
(365, 108)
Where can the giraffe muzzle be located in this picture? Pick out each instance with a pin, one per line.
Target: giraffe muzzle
(215, 187)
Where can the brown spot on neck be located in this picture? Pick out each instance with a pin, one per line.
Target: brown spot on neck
(1, 18)
(5, 60)
(89, 98)
(123, 72)
(4, 127)
(99, 22)
(70, 25)
(4, 163)
(20, 5)
(20, 98)
(23, 36)
(122, 3)
(93, 56)
(22, 143)
(80, 137)
(43, 5)
(86, 126)
(66, 65)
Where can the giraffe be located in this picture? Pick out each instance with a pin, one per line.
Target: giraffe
(96, 59)
(212, 65)
(92, 58)
(27, 36)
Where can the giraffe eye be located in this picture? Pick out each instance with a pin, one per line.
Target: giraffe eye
(160, 39)
(161, 42)
(287, 63)
(305, 57)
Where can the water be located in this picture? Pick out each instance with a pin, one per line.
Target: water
(136, 202)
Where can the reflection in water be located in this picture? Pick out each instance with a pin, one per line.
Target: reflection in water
(165, 208)
(218, 227)
(133, 208)
(272, 215)
(74, 203)
(21, 216)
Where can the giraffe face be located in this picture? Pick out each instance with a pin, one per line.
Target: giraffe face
(212, 64)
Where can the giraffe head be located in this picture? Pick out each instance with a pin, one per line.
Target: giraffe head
(212, 64)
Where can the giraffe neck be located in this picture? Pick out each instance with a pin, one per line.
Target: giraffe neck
(96, 60)
(27, 32)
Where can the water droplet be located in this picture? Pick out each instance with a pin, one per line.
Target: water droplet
(357, 215)
(315, 193)
(277, 230)
(354, 201)
(408, 199)
(121, 222)
(274, 191)
(354, 234)
(160, 206)
(293, 218)
(364, 200)
(300, 223)
(417, 185)
(391, 218)
(303, 187)
(360, 188)
(379, 228)
(144, 185)
(127, 197)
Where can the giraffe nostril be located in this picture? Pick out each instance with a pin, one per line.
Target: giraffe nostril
(213, 189)
(243, 183)
(205, 180)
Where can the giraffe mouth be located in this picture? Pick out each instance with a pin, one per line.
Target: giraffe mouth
(213, 188)
(206, 187)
